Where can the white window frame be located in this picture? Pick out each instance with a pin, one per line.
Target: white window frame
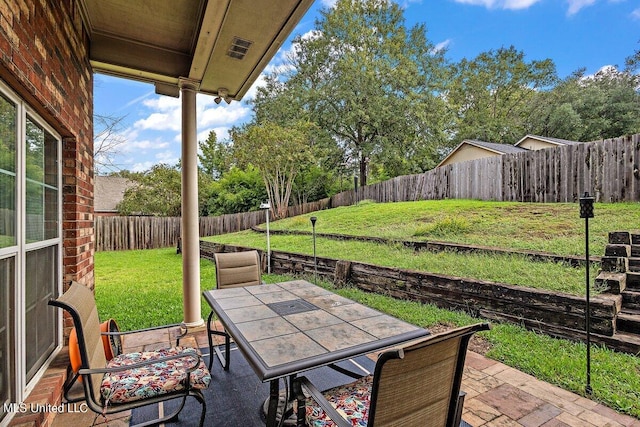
(23, 388)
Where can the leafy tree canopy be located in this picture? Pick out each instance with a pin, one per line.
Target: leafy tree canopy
(491, 94)
(239, 190)
(157, 192)
(278, 153)
(371, 83)
(216, 157)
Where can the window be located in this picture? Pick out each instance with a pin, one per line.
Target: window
(30, 246)
(42, 183)
(8, 226)
(6, 328)
(42, 285)
(7, 173)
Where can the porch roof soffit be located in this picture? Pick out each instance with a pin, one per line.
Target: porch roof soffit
(218, 45)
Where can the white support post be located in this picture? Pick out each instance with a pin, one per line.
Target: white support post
(190, 213)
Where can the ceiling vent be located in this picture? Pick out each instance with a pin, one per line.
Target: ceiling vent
(239, 48)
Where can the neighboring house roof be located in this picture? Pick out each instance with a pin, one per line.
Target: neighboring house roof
(490, 149)
(548, 140)
(495, 147)
(108, 192)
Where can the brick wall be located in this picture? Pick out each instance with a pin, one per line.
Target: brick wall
(44, 58)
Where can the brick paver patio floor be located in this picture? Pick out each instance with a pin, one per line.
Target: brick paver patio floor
(497, 395)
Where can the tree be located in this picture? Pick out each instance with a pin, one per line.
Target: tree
(491, 95)
(279, 102)
(633, 61)
(157, 193)
(237, 191)
(216, 158)
(372, 84)
(587, 108)
(106, 141)
(278, 152)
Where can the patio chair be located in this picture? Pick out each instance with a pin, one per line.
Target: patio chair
(417, 385)
(233, 269)
(130, 380)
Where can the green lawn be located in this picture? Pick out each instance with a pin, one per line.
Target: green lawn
(549, 227)
(143, 288)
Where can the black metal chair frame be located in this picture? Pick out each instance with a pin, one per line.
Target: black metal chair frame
(92, 390)
(454, 414)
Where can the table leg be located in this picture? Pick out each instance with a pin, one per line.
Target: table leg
(274, 395)
(296, 389)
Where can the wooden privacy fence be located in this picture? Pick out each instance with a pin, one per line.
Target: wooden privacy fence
(609, 170)
(114, 233)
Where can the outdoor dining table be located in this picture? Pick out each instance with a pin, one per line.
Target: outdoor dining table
(286, 328)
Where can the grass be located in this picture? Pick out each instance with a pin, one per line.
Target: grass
(511, 269)
(549, 227)
(144, 288)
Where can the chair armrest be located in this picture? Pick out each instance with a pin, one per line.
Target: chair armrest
(152, 328)
(183, 331)
(322, 402)
(196, 358)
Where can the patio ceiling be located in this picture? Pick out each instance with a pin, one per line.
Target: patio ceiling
(218, 44)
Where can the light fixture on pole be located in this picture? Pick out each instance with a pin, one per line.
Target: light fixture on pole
(586, 212)
(315, 261)
(267, 207)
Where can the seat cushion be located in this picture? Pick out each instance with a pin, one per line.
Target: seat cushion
(350, 400)
(153, 380)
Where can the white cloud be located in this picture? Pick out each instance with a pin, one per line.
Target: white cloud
(442, 45)
(636, 14)
(161, 121)
(576, 5)
(141, 166)
(227, 115)
(167, 157)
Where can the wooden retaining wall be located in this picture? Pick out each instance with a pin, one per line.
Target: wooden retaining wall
(556, 314)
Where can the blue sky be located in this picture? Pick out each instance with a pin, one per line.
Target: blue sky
(573, 33)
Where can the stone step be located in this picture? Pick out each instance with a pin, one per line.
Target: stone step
(614, 264)
(620, 237)
(626, 342)
(633, 280)
(635, 250)
(634, 264)
(635, 239)
(611, 282)
(617, 250)
(631, 299)
(628, 321)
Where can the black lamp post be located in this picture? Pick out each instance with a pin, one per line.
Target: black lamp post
(267, 207)
(315, 263)
(586, 212)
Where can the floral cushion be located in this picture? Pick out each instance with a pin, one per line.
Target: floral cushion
(152, 380)
(351, 401)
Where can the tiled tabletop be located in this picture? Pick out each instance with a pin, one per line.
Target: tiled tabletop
(290, 327)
